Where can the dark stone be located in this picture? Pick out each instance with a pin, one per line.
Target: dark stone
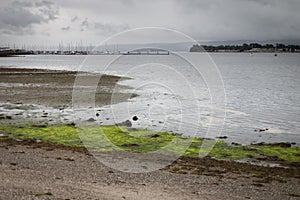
(127, 123)
(284, 144)
(280, 144)
(130, 145)
(39, 126)
(222, 137)
(258, 184)
(71, 124)
(250, 156)
(69, 159)
(97, 114)
(91, 120)
(135, 118)
(154, 136)
(8, 117)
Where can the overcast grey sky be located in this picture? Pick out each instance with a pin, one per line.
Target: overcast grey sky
(50, 21)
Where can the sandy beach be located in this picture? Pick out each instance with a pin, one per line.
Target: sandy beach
(31, 172)
(40, 170)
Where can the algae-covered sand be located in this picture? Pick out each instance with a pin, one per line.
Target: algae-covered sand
(143, 141)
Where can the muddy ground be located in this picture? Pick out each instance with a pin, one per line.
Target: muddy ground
(53, 88)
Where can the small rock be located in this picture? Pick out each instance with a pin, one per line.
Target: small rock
(135, 118)
(130, 145)
(222, 137)
(97, 115)
(284, 144)
(257, 184)
(217, 170)
(8, 117)
(69, 159)
(91, 120)
(39, 126)
(19, 152)
(154, 135)
(2, 134)
(43, 194)
(71, 124)
(127, 123)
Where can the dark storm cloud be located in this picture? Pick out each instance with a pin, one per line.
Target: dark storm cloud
(200, 19)
(18, 17)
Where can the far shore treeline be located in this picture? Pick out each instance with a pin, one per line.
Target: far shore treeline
(252, 47)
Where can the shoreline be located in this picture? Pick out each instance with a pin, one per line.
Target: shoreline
(24, 152)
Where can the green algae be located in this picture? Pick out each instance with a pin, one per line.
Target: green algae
(144, 141)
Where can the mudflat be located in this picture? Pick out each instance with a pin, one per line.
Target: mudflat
(52, 87)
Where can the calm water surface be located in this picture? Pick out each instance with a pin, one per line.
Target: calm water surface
(262, 92)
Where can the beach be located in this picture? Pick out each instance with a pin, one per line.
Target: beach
(37, 172)
(37, 168)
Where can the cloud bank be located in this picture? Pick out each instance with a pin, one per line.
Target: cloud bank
(94, 20)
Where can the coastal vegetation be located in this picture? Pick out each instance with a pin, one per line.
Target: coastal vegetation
(144, 141)
(12, 52)
(252, 47)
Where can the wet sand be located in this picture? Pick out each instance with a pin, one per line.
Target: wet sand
(51, 88)
(30, 170)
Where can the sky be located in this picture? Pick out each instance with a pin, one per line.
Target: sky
(49, 22)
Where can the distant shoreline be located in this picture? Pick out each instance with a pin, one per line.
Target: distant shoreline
(247, 48)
